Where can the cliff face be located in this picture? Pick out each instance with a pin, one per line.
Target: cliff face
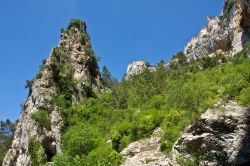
(71, 70)
(136, 68)
(225, 34)
(219, 137)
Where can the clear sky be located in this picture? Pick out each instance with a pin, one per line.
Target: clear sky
(121, 31)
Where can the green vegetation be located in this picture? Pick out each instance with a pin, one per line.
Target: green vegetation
(37, 153)
(171, 98)
(7, 130)
(230, 4)
(99, 127)
(42, 118)
(77, 23)
(228, 7)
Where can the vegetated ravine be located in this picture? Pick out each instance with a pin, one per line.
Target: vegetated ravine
(191, 110)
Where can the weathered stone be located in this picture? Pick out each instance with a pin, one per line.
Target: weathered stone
(145, 152)
(85, 72)
(220, 131)
(225, 34)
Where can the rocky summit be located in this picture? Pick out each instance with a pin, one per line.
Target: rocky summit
(74, 54)
(225, 34)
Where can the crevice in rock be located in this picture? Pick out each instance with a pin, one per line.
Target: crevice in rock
(49, 146)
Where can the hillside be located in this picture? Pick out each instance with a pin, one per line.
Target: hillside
(192, 110)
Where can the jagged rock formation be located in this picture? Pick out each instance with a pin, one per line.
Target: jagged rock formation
(225, 34)
(136, 68)
(220, 134)
(72, 68)
(145, 152)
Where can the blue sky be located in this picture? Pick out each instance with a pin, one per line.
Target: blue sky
(121, 31)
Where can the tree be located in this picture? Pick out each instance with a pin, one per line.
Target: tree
(106, 75)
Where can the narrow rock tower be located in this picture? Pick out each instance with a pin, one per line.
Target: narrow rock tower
(70, 72)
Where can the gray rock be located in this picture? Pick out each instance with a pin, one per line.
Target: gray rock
(137, 68)
(145, 152)
(225, 34)
(221, 132)
(43, 90)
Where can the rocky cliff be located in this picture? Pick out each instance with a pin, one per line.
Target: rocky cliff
(71, 71)
(137, 67)
(219, 137)
(225, 34)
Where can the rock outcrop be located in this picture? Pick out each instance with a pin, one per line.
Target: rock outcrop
(137, 67)
(72, 62)
(219, 137)
(225, 34)
(145, 152)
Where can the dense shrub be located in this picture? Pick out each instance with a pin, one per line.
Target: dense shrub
(77, 23)
(37, 153)
(80, 140)
(41, 117)
(7, 130)
(245, 97)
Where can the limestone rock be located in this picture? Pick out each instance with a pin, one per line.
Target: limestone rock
(145, 152)
(220, 132)
(225, 34)
(71, 53)
(138, 67)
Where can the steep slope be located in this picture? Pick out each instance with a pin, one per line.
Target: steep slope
(225, 34)
(70, 72)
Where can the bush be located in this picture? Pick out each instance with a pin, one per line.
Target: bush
(80, 140)
(41, 117)
(156, 102)
(104, 155)
(77, 23)
(245, 97)
(118, 132)
(37, 153)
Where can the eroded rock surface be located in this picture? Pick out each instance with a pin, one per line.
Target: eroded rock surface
(138, 67)
(219, 137)
(145, 152)
(225, 34)
(71, 57)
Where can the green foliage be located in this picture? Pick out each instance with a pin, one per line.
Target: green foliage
(7, 130)
(170, 98)
(245, 97)
(174, 122)
(41, 117)
(77, 23)
(104, 155)
(37, 153)
(139, 126)
(80, 140)
(230, 4)
(107, 78)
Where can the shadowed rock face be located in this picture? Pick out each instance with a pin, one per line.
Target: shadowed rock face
(71, 57)
(220, 136)
(224, 34)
